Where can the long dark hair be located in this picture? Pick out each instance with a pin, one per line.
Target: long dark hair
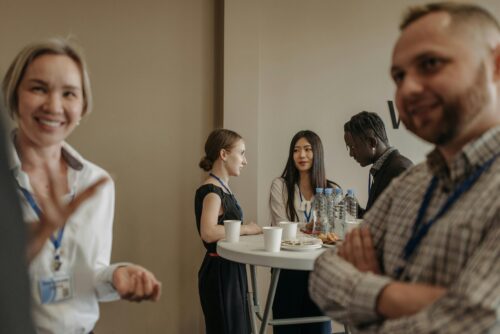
(291, 175)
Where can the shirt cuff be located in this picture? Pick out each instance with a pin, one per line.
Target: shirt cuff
(106, 292)
(363, 306)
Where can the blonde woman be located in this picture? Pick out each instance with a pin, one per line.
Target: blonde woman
(47, 92)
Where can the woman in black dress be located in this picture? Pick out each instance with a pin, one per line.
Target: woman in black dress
(222, 284)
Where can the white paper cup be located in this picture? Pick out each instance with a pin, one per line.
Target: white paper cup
(232, 230)
(289, 230)
(272, 238)
(352, 224)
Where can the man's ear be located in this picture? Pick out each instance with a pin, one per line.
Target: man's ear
(496, 63)
(372, 141)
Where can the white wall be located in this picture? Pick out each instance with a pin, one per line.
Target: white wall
(309, 65)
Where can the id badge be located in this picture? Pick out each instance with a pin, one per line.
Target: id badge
(55, 289)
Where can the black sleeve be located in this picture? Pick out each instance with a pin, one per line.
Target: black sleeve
(15, 314)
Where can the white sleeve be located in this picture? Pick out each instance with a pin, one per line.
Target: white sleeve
(277, 201)
(104, 204)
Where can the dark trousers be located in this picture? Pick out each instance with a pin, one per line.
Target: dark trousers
(292, 300)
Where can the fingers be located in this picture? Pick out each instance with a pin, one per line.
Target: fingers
(369, 250)
(358, 250)
(136, 284)
(84, 195)
(56, 189)
(156, 292)
(348, 252)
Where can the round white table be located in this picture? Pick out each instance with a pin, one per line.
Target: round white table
(250, 250)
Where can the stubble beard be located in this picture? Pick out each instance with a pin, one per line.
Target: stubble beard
(458, 113)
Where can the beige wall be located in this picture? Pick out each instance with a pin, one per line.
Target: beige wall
(297, 64)
(289, 65)
(308, 64)
(151, 65)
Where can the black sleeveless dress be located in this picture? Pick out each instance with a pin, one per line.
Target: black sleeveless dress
(222, 284)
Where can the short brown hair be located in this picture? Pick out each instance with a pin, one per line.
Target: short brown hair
(53, 46)
(217, 140)
(460, 12)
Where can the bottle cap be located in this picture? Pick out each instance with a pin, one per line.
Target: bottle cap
(350, 192)
(319, 190)
(328, 191)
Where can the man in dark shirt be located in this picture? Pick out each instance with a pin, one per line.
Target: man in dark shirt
(367, 143)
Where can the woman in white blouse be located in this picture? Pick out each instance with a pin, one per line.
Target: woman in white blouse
(290, 200)
(47, 92)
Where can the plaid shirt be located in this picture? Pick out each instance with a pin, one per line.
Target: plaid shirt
(460, 252)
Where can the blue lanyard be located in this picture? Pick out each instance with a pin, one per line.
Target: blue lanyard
(229, 191)
(306, 215)
(420, 228)
(55, 241)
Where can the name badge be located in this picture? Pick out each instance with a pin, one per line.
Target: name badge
(55, 289)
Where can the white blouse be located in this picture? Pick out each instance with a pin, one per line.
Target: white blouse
(85, 250)
(278, 199)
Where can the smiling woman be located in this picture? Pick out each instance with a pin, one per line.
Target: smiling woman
(48, 91)
(50, 100)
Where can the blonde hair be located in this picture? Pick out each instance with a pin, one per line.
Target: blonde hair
(17, 69)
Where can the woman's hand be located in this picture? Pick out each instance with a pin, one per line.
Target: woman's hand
(136, 284)
(250, 228)
(55, 213)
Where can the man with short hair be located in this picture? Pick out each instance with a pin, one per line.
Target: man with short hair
(427, 262)
(367, 143)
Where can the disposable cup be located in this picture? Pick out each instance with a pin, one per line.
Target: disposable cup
(272, 238)
(289, 230)
(232, 230)
(352, 224)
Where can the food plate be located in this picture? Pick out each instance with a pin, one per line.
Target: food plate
(304, 244)
(310, 232)
(329, 245)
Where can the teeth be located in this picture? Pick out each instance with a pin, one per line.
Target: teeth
(53, 124)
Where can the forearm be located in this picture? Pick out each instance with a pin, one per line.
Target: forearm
(38, 234)
(398, 299)
(343, 292)
(213, 233)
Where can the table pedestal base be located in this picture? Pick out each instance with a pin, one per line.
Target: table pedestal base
(254, 307)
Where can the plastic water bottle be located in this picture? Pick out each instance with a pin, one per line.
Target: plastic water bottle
(320, 212)
(351, 205)
(340, 214)
(330, 207)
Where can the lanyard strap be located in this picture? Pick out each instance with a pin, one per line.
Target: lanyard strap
(369, 183)
(229, 191)
(55, 241)
(221, 182)
(420, 228)
(306, 215)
